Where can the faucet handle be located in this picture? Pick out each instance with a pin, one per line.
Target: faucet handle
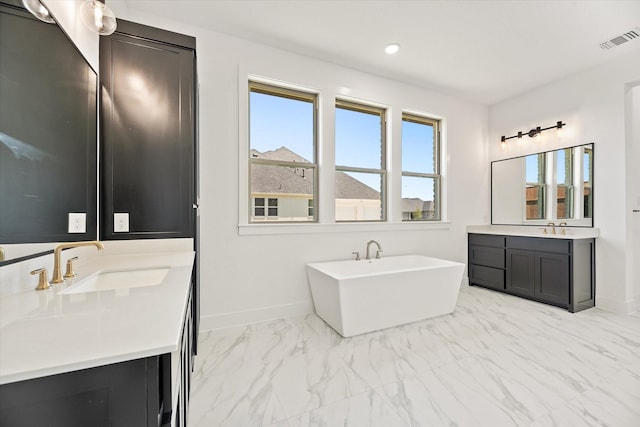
(378, 253)
(357, 254)
(70, 273)
(43, 281)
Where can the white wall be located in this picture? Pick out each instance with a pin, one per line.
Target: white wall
(66, 14)
(633, 191)
(256, 277)
(592, 103)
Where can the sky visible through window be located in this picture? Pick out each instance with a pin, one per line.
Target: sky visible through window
(532, 168)
(277, 122)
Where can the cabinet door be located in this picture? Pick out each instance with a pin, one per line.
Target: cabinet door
(552, 277)
(520, 272)
(148, 134)
(121, 394)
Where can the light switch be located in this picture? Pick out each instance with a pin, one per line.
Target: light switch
(120, 222)
(77, 222)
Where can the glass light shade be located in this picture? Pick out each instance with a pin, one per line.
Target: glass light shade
(38, 10)
(98, 17)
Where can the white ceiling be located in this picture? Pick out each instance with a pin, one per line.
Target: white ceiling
(484, 51)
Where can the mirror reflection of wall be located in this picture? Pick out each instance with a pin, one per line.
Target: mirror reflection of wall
(553, 186)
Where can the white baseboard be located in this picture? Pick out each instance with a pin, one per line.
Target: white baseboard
(263, 314)
(616, 305)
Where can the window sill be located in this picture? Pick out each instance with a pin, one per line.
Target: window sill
(289, 228)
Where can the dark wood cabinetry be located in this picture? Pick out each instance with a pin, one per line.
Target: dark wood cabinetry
(486, 260)
(554, 271)
(136, 393)
(148, 83)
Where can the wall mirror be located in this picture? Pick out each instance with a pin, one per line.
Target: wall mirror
(552, 186)
(48, 137)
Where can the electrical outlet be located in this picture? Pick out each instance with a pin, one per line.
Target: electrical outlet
(77, 222)
(120, 222)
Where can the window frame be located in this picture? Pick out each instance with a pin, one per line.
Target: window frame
(297, 95)
(569, 188)
(382, 112)
(437, 171)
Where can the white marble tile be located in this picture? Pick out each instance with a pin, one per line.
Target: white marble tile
(498, 360)
(363, 410)
(613, 403)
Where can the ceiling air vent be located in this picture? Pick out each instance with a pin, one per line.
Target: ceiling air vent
(621, 39)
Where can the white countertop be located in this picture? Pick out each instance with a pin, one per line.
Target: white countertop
(44, 332)
(571, 233)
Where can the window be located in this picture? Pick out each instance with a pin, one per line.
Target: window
(282, 157)
(310, 211)
(535, 186)
(420, 168)
(258, 207)
(564, 187)
(360, 162)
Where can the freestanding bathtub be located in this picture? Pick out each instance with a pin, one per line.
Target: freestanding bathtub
(355, 297)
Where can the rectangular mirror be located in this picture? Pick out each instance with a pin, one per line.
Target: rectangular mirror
(552, 186)
(48, 136)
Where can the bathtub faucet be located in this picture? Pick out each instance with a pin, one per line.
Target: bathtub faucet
(377, 252)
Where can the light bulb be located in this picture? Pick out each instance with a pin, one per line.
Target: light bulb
(97, 17)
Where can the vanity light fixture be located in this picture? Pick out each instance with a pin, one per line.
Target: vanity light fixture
(98, 17)
(392, 48)
(533, 133)
(38, 10)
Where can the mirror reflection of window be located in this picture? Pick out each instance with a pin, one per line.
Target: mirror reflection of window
(587, 159)
(535, 186)
(564, 186)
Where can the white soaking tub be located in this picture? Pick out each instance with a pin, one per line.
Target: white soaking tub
(355, 297)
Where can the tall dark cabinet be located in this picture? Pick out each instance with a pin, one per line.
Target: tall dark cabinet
(148, 131)
(148, 84)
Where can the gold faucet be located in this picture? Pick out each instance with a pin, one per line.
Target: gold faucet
(563, 231)
(57, 270)
(553, 227)
(1, 253)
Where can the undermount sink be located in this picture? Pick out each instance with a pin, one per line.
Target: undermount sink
(119, 279)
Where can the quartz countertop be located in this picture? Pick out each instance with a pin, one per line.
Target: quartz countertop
(46, 332)
(571, 233)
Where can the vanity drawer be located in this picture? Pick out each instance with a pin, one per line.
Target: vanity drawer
(489, 257)
(486, 276)
(539, 244)
(486, 240)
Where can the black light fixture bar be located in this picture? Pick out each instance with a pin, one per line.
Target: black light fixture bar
(533, 132)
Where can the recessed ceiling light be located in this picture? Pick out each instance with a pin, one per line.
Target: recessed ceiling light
(392, 48)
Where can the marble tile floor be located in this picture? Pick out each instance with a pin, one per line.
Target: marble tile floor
(496, 361)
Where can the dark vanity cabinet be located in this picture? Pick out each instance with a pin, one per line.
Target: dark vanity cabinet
(554, 271)
(136, 393)
(486, 260)
(148, 87)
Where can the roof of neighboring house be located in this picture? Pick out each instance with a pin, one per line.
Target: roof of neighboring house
(413, 204)
(286, 180)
